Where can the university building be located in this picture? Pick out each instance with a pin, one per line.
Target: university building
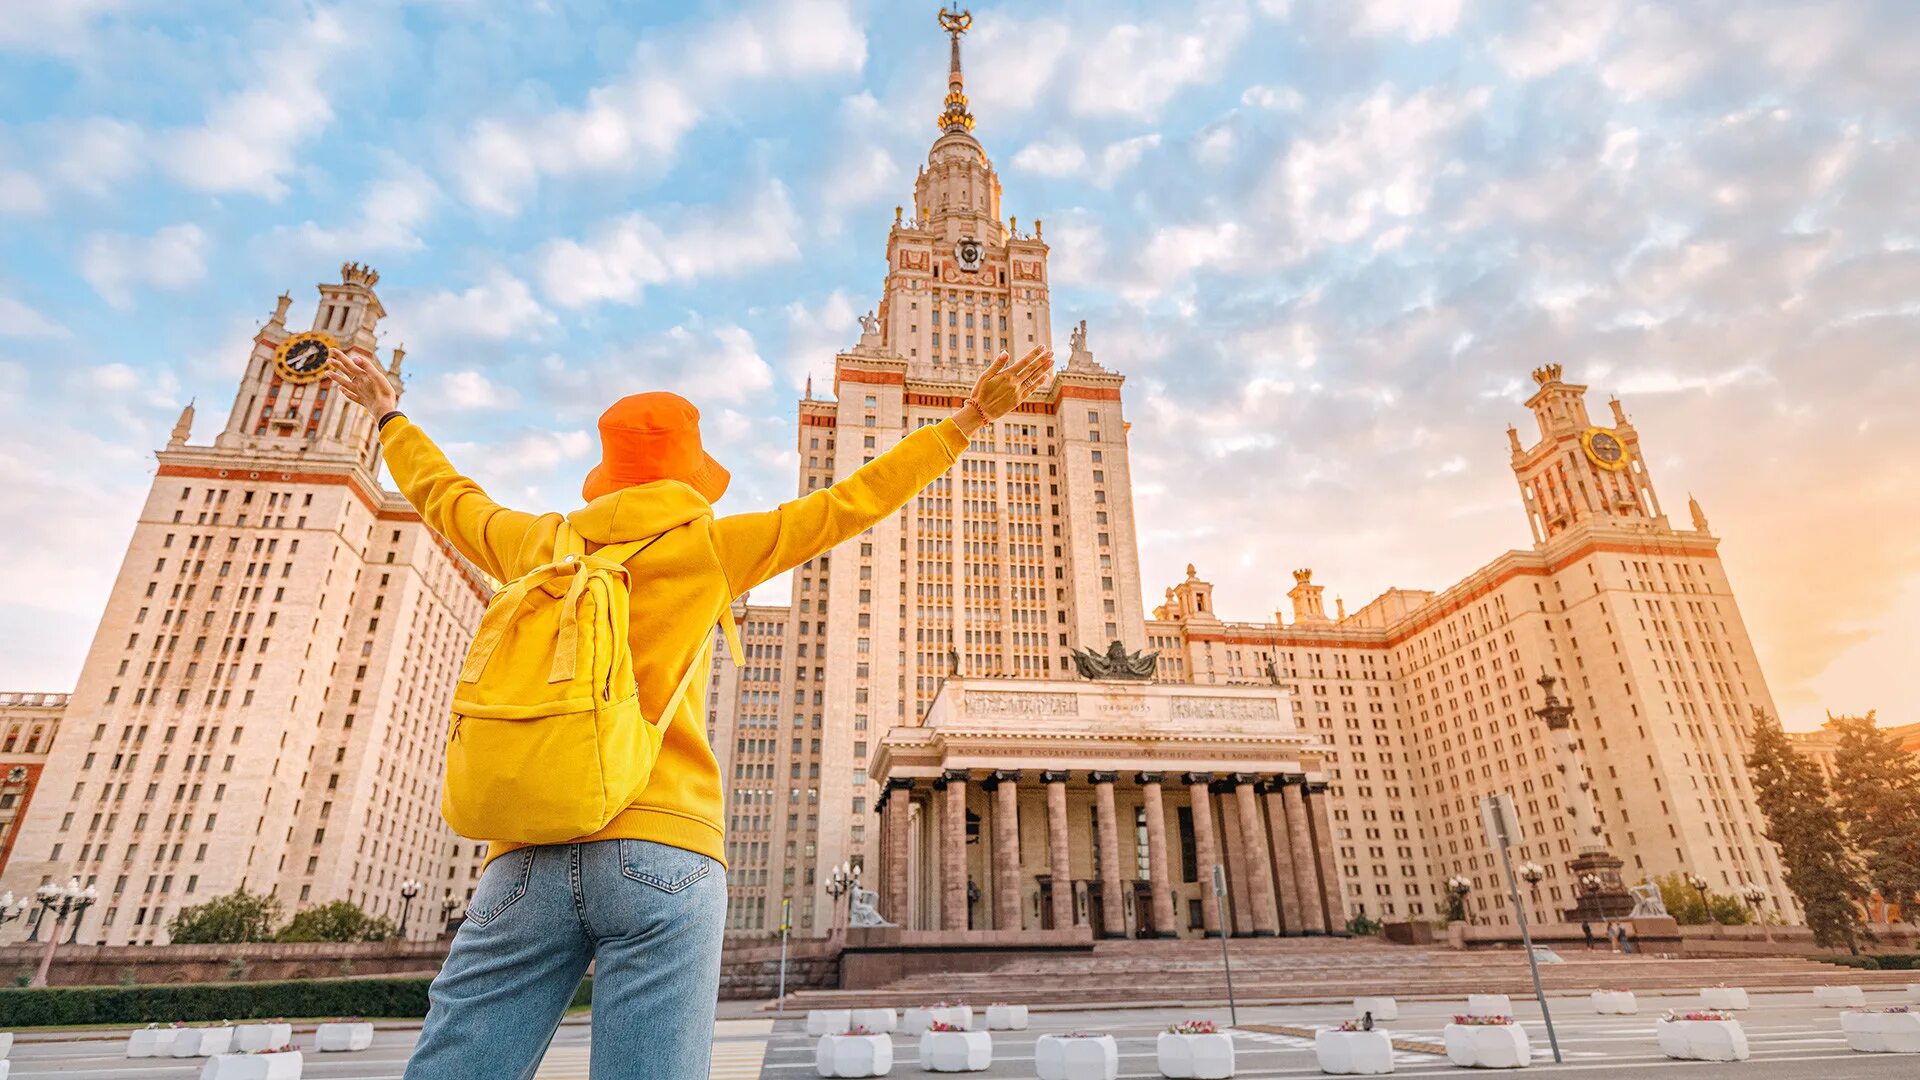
(915, 711)
(265, 700)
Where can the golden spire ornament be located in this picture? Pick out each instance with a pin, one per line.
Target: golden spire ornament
(955, 117)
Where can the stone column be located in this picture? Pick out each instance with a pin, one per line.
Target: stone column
(953, 849)
(1306, 868)
(1253, 835)
(893, 855)
(1059, 862)
(1006, 848)
(1285, 884)
(1111, 903)
(1161, 882)
(1204, 854)
(1323, 839)
(1233, 854)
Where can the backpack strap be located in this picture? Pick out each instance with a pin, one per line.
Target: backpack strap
(686, 683)
(732, 634)
(567, 542)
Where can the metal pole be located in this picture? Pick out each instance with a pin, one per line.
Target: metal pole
(46, 958)
(1226, 964)
(1526, 941)
(786, 923)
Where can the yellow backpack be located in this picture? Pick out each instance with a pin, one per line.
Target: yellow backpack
(547, 742)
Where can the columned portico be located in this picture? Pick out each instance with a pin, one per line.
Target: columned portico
(1161, 884)
(1321, 819)
(1101, 840)
(1253, 835)
(1059, 861)
(1306, 870)
(953, 849)
(1112, 904)
(1206, 852)
(1006, 848)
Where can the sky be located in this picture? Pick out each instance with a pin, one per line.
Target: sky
(1325, 242)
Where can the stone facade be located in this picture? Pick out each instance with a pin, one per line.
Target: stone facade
(28, 724)
(266, 697)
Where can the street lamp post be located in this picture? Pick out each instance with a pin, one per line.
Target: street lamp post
(1532, 873)
(1459, 886)
(58, 902)
(1699, 885)
(846, 877)
(446, 911)
(1753, 894)
(12, 907)
(408, 890)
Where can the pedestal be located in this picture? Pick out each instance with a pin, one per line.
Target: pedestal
(1612, 902)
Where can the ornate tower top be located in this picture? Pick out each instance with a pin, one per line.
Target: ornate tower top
(182, 428)
(354, 273)
(954, 116)
(1547, 373)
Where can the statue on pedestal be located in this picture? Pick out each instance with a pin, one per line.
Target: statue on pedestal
(1647, 902)
(861, 909)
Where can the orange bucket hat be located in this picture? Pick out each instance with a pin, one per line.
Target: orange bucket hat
(655, 436)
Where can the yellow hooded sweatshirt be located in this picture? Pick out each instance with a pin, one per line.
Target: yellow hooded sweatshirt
(680, 586)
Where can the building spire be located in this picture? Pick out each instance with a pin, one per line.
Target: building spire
(182, 428)
(955, 117)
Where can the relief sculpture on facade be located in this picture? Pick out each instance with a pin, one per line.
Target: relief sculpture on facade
(1003, 703)
(1213, 708)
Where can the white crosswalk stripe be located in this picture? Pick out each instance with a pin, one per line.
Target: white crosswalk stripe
(739, 1048)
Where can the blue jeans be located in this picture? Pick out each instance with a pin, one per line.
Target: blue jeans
(650, 918)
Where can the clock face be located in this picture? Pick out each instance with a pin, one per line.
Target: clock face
(1604, 448)
(303, 358)
(970, 254)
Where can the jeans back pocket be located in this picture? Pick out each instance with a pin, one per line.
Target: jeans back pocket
(669, 869)
(504, 882)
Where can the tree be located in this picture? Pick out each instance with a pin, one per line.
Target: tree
(342, 920)
(226, 920)
(1803, 823)
(1683, 903)
(1876, 787)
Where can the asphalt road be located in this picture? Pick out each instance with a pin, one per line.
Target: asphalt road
(1791, 1039)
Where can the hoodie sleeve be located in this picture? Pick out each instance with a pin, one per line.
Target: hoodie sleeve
(755, 547)
(487, 533)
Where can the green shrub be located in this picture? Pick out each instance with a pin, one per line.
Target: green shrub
(163, 1003)
(1864, 963)
(342, 920)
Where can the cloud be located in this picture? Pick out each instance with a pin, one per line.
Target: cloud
(1415, 20)
(629, 254)
(467, 390)
(21, 192)
(640, 118)
(115, 263)
(815, 335)
(1062, 158)
(500, 308)
(17, 320)
(1065, 157)
(391, 211)
(62, 29)
(248, 139)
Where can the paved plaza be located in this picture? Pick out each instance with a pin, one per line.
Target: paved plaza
(1790, 1038)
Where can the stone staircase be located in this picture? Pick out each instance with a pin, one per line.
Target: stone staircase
(1119, 974)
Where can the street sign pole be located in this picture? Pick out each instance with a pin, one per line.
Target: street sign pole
(1220, 905)
(1503, 828)
(786, 924)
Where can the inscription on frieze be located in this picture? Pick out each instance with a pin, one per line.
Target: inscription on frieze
(1210, 708)
(1000, 703)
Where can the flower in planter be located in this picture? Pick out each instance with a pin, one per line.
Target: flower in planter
(1892, 1009)
(1482, 1021)
(287, 1049)
(1084, 1035)
(856, 1032)
(1195, 1027)
(942, 1025)
(176, 1023)
(1353, 1025)
(1696, 1014)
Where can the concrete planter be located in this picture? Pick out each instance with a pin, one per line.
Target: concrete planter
(917, 1021)
(1615, 1003)
(1489, 1005)
(1353, 1053)
(1724, 997)
(331, 1038)
(253, 1038)
(1062, 1057)
(853, 1055)
(956, 1051)
(150, 1042)
(1882, 1033)
(1487, 1046)
(1195, 1057)
(1382, 1008)
(828, 1021)
(1913, 992)
(253, 1067)
(1702, 1040)
(1839, 997)
(200, 1042)
(878, 1021)
(1006, 1018)
(6, 1044)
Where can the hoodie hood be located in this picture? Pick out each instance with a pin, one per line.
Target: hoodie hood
(640, 511)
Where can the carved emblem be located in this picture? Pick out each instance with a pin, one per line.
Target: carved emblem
(1003, 703)
(1116, 664)
(1026, 271)
(1192, 708)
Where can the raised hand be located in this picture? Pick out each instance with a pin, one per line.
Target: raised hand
(363, 382)
(1004, 385)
